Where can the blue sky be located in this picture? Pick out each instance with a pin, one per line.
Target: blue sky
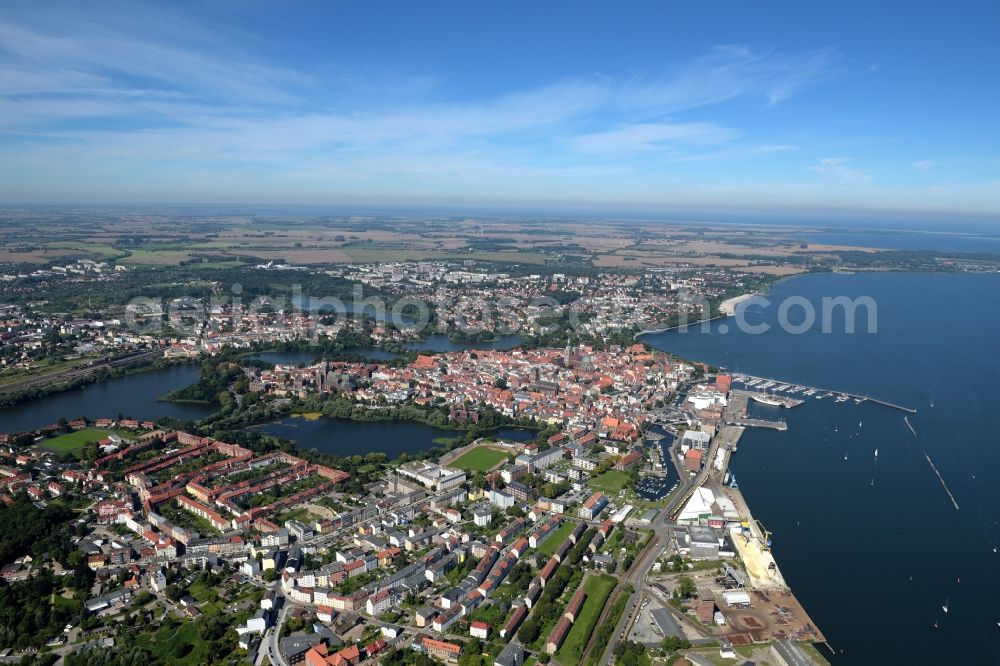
(768, 106)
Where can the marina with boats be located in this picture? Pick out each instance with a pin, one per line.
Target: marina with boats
(776, 392)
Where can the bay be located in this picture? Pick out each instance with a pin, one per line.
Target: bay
(874, 549)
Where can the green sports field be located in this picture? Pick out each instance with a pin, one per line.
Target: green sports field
(73, 442)
(478, 459)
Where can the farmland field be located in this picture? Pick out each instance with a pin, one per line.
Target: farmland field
(479, 459)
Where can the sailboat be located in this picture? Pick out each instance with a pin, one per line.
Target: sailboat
(876, 453)
(945, 607)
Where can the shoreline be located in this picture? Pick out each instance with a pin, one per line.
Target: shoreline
(667, 329)
(728, 306)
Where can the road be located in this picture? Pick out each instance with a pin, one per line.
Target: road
(661, 536)
(640, 569)
(272, 638)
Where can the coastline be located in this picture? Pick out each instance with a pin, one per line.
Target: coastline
(728, 306)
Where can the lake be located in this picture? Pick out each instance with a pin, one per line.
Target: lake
(436, 343)
(875, 548)
(134, 395)
(439, 342)
(346, 437)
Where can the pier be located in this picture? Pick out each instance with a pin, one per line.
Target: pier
(752, 383)
(757, 423)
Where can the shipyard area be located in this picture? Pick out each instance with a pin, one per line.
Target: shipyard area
(716, 581)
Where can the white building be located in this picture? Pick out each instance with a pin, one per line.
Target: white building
(157, 581)
(695, 439)
(482, 516)
(433, 476)
(501, 499)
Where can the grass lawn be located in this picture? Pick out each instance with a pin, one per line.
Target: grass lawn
(66, 603)
(301, 514)
(187, 520)
(611, 482)
(167, 644)
(549, 545)
(598, 589)
(478, 459)
(73, 442)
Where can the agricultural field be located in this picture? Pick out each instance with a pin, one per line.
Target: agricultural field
(479, 459)
(598, 589)
(166, 238)
(73, 442)
(611, 482)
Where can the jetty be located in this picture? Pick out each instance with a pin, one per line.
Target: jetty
(758, 384)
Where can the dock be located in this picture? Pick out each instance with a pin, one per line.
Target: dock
(771, 610)
(758, 423)
(753, 384)
(772, 399)
(735, 414)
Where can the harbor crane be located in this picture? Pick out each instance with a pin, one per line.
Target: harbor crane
(765, 536)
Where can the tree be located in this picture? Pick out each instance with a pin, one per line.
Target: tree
(629, 653)
(685, 588)
(674, 643)
(174, 593)
(529, 631)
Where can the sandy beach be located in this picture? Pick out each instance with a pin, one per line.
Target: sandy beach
(728, 306)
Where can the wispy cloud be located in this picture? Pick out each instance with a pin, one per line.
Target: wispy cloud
(653, 136)
(923, 166)
(836, 169)
(728, 72)
(149, 101)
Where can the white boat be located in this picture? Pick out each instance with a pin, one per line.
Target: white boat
(945, 607)
(767, 399)
(876, 453)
